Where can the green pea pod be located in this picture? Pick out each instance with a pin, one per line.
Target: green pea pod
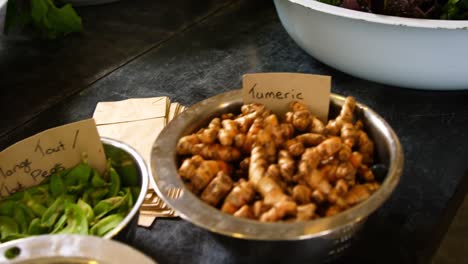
(114, 187)
(129, 174)
(60, 224)
(97, 180)
(28, 213)
(35, 227)
(87, 209)
(77, 179)
(42, 189)
(21, 219)
(54, 211)
(76, 221)
(57, 184)
(106, 224)
(130, 201)
(8, 226)
(135, 192)
(43, 197)
(36, 207)
(106, 206)
(125, 207)
(93, 195)
(7, 207)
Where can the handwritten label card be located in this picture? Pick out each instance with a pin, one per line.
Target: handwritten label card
(31, 160)
(276, 90)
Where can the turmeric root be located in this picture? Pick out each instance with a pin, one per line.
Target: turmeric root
(271, 191)
(273, 172)
(219, 152)
(217, 189)
(240, 195)
(228, 132)
(346, 116)
(258, 208)
(279, 211)
(306, 212)
(188, 145)
(348, 134)
(209, 135)
(301, 194)
(204, 174)
(189, 166)
(365, 173)
(287, 165)
(245, 212)
(357, 194)
(365, 147)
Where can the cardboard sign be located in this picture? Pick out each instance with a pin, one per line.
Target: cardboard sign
(131, 110)
(31, 160)
(135, 121)
(276, 90)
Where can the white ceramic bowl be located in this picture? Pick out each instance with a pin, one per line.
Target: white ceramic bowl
(406, 52)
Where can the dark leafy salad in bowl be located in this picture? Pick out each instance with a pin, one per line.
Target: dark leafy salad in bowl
(427, 9)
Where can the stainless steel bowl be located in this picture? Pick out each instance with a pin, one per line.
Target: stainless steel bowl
(124, 154)
(321, 238)
(70, 249)
(405, 52)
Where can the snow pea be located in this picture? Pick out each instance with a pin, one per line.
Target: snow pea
(6, 207)
(76, 221)
(93, 195)
(106, 224)
(8, 226)
(59, 224)
(128, 172)
(28, 213)
(127, 205)
(97, 180)
(77, 179)
(34, 204)
(106, 206)
(35, 227)
(87, 209)
(21, 219)
(57, 184)
(54, 211)
(114, 182)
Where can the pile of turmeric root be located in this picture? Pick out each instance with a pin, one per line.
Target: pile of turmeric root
(255, 166)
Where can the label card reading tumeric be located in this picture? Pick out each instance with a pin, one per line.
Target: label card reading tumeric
(276, 90)
(30, 161)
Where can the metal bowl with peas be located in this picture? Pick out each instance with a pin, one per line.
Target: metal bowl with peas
(80, 200)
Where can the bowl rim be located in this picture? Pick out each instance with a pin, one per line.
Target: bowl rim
(189, 207)
(381, 19)
(69, 247)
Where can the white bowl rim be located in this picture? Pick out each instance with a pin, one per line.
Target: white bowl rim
(382, 19)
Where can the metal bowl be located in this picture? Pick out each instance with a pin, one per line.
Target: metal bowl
(124, 154)
(69, 249)
(324, 237)
(406, 52)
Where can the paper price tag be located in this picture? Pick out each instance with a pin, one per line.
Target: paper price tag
(276, 90)
(31, 160)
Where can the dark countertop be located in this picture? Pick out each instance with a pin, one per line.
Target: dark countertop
(191, 50)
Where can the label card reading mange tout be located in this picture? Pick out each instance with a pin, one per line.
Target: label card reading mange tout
(276, 90)
(30, 161)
